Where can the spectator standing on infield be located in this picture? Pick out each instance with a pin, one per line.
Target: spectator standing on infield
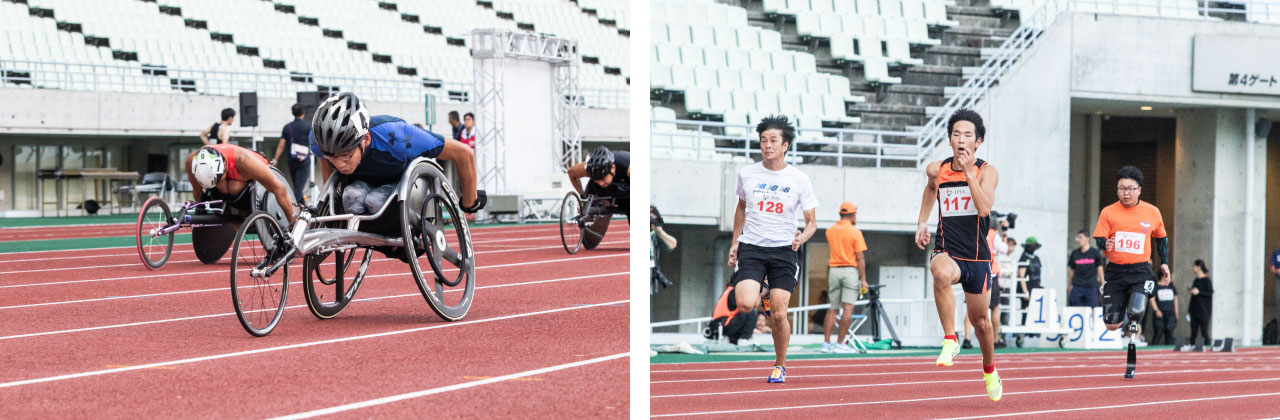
(467, 134)
(221, 130)
(846, 276)
(1165, 302)
(1275, 268)
(456, 123)
(1029, 269)
(1084, 267)
(295, 134)
(964, 188)
(1201, 309)
(771, 194)
(658, 240)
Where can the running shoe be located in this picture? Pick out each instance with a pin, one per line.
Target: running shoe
(949, 349)
(843, 348)
(994, 388)
(765, 302)
(967, 344)
(778, 376)
(827, 347)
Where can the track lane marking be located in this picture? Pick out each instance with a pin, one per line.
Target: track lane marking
(189, 318)
(455, 387)
(298, 345)
(914, 372)
(182, 292)
(1109, 388)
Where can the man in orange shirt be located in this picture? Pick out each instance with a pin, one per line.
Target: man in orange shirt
(1124, 230)
(847, 266)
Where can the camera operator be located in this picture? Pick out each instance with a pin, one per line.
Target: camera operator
(657, 236)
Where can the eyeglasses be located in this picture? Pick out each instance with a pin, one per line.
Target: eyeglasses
(345, 157)
(1128, 189)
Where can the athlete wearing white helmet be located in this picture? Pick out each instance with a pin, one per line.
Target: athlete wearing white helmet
(372, 151)
(226, 170)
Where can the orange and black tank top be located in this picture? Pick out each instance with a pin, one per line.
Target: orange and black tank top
(961, 232)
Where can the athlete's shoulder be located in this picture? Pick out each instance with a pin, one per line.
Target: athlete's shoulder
(933, 167)
(748, 169)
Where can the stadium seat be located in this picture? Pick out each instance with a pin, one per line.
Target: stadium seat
(729, 79)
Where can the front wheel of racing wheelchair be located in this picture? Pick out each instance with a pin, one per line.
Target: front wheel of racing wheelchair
(583, 222)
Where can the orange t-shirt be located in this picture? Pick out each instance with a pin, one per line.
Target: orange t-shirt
(1132, 230)
(722, 307)
(845, 242)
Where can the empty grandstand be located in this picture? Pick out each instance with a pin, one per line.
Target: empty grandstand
(127, 85)
(1070, 91)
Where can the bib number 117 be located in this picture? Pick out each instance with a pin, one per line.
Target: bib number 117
(770, 207)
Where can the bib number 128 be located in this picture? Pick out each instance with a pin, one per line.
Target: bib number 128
(770, 207)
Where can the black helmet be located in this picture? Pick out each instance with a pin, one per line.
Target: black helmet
(340, 123)
(599, 163)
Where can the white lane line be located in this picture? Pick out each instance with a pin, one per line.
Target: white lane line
(1047, 357)
(1005, 360)
(1006, 394)
(296, 346)
(455, 387)
(68, 226)
(1003, 368)
(1183, 400)
(224, 270)
(182, 292)
(886, 384)
(134, 264)
(161, 321)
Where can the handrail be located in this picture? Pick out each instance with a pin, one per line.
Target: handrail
(690, 142)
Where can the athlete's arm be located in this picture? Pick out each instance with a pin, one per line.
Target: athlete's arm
(576, 173)
(926, 205)
(1162, 247)
(460, 154)
(984, 193)
(196, 190)
(739, 219)
(257, 171)
(279, 150)
(810, 227)
(326, 169)
(1102, 243)
(204, 136)
(224, 134)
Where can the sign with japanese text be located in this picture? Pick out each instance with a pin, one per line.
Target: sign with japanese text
(1235, 64)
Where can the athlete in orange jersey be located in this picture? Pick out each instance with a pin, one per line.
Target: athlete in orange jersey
(964, 188)
(1126, 230)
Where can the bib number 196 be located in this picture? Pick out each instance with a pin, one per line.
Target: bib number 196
(770, 207)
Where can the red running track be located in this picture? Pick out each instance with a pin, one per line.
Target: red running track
(1240, 384)
(92, 333)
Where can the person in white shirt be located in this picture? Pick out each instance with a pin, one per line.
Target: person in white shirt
(765, 240)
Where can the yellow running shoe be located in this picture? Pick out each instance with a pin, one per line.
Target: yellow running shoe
(949, 349)
(994, 388)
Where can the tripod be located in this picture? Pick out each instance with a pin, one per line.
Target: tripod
(876, 312)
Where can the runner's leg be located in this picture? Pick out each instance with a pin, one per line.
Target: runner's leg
(779, 299)
(945, 273)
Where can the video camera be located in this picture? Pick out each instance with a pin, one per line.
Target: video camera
(655, 218)
(997, 217)
(873, 291)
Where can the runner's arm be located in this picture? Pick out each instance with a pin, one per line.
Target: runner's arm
(926, 205)
(810, 227)
(326, 169)
(460, 154)
(576, 173)
(984, 194)
(224, 134)
(739, 219)
(257, 171)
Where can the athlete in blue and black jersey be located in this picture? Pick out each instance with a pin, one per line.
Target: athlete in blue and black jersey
(374, 151)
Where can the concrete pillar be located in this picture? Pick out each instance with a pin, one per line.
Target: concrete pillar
(1195, 156)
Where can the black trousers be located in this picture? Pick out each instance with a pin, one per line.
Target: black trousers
(1201, 324)
(299, 172)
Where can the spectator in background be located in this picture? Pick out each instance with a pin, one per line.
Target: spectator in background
(736, 325)
(1084, 267)
(456, 123)
(998, 247)
(1028, 269)
(1165, 302)
(1201, 303)
(221, 130)
(1275, 268)
(818, 316)
(657, 238)
(296, 134)
(467, 135)
(1008, 270)
(846, 275)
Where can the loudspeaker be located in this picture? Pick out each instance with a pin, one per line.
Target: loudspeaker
(248, 109)
(1262, 128)
(310, 101)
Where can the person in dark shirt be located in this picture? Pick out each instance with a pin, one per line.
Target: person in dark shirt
(1165, 302)
(295, 134)
(1084, 267)
(1201, 303)
(456, 123)
(1275, 268)
(1029, 269)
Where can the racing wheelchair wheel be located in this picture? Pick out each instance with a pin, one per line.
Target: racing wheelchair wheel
(571, 222)
(437, 241)
(259, 299)
(152, 248)
(329, 280)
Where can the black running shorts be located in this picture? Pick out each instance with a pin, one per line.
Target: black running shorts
(779, 265)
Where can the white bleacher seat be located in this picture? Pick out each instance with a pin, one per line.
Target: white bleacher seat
(702, 35)
(783, 61)
(714, 57)
(691, 55)
(767, 103)
(752, 81)
(749, 38)
(877, 70)
(761, 60)
(789, 103)
(704, 77)
(681, 77)
(720, 101)
(736, 117)
(773, 82)
(743, 101)
(729, 78)
(807, 24)
(770, 41)
(900, 52)
(696, 101)
(737, 58)
(726, 37)
(795, 82)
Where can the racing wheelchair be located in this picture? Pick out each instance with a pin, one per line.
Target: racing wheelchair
(422, 220)
(213, 222)
(584, 221)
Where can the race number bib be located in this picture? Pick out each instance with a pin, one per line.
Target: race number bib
(1165, 295)
(956, 201)
(1131, 243)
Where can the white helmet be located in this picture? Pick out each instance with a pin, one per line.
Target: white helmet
(208, 167)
